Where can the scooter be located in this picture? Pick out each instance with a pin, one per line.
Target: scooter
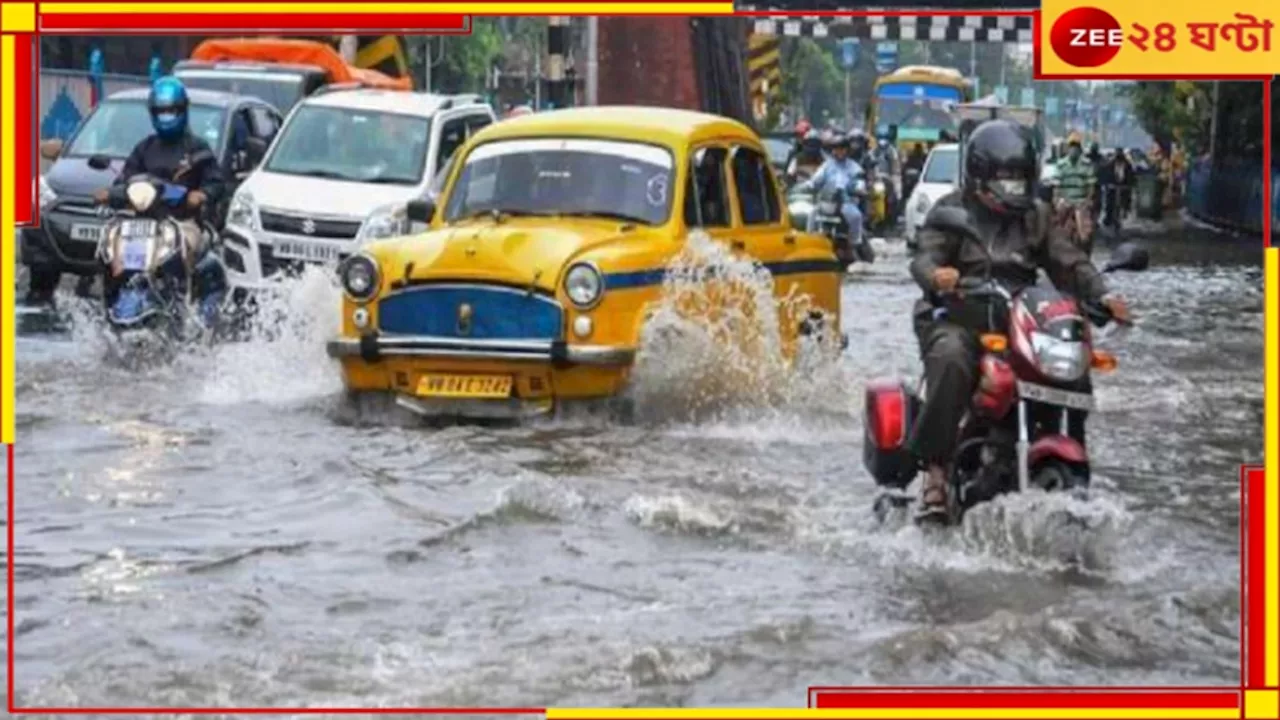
(826, 219)
(152, 287)
(1025, 424)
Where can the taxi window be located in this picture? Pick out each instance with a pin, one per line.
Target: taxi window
(706, 197)
(757, 194)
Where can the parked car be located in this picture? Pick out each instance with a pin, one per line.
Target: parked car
(941, 175)
(778, 145)
(238, 128)
(546, 252)
(341, 172)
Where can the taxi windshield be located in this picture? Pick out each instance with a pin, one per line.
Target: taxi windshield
(565, 176)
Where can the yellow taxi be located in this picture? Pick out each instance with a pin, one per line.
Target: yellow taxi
(546, 251)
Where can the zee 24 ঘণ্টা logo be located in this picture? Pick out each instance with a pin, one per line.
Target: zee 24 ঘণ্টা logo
(1089, 37)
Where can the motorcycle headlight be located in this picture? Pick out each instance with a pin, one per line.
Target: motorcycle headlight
(243, 212)
(142, 195)
(1063, 360)
(359, 275)
(584, 285)
(879, 186)
(384, 222)
(47, 195)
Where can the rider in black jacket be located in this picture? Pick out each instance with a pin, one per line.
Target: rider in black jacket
(1000, 172)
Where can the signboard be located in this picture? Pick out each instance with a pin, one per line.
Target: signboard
(886, 56)
(849, 53)
(1028, 97)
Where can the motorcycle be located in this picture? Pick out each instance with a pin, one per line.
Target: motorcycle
(151, 284)
(825, 218)
(910, 177)
(1025, 424)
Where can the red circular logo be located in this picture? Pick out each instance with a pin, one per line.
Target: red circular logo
(1086, 37)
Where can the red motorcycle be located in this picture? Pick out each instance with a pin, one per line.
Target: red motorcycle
(1025, 426)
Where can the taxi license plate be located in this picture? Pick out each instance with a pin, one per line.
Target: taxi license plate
(314, 252)
(1054, 396)
(86, 232)
(465, 386)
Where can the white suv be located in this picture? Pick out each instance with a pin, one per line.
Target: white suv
(339, 174)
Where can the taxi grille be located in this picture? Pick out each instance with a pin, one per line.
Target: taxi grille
(495, 313)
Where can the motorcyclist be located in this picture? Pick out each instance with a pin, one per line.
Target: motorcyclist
(998, 192)
(1076, 184)
(800, 132)
(843, 172)
(808, 160)
(174, 154)
(889, 168)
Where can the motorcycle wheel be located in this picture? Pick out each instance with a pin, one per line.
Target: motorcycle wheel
(1057, 476)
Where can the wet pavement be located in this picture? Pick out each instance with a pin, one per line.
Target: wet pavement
(225, 529)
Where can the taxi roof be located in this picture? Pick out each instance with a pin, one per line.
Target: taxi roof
(667, 126)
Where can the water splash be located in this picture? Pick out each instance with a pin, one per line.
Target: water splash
(713, 345)
(283, 358)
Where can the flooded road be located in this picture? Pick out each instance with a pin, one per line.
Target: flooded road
(225, 530)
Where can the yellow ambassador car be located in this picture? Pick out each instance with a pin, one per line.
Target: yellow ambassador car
(546, 249)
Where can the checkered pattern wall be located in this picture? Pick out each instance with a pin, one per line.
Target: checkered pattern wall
(959, 28)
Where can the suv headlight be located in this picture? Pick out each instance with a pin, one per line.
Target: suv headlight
(922, 205)
(47, 195)
(359, 276)
(384, 222)
(1063, 360)
(584, 285)
(243, 212)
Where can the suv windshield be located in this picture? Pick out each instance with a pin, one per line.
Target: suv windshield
(280, 89)
(353, 145)
(944, 167)
(117, 126)
(565, 176)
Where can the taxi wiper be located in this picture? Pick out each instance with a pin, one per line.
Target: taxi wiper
(605, 215)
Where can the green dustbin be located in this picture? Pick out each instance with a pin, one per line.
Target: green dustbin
(1147, 198)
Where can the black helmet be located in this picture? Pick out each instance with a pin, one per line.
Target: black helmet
(1000, 161)
(839, 140)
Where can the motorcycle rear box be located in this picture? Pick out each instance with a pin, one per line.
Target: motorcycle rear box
(890, 412)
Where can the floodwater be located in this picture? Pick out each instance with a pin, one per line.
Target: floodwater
(227, 530)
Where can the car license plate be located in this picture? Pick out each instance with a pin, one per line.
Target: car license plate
(465, 386)
(135, 255)
(313, 252)
(1054, 396)
(86, 232)
(130, 229)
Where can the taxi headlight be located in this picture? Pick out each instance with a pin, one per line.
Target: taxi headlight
(584, 285)
(359, 276)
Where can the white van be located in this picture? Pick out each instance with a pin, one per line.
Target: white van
(339, 174)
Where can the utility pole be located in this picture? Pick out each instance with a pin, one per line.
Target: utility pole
(557, 43)
(348, 47)
(973, 64)
(593, 60)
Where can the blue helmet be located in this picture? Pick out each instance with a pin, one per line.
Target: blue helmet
(168, 105)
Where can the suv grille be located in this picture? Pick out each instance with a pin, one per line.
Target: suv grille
(293, 225)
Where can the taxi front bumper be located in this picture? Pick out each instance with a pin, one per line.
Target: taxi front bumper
(372, 348)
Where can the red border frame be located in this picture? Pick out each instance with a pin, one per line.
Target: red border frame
(1252, 477)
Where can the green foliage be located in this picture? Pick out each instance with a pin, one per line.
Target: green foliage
(812, 80)
(1174, 111)
(460, 63)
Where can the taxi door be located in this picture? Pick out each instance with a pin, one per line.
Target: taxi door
(801, 264)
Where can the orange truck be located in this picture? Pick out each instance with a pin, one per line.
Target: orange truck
(280, 71)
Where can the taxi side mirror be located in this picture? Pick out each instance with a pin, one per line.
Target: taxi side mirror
(421, 210)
